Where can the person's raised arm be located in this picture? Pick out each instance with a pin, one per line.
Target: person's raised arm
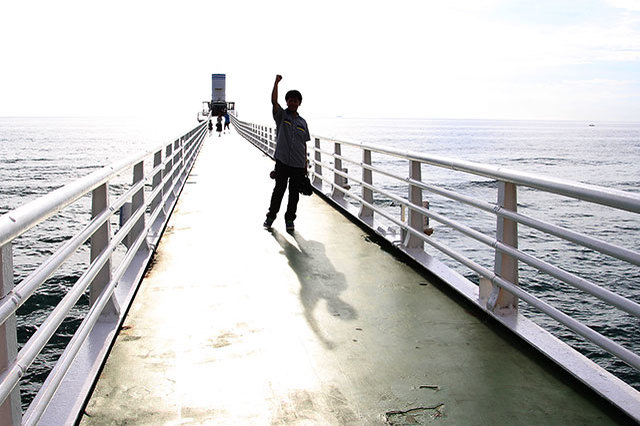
(274, 93)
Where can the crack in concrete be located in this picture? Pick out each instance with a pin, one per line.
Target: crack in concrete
(412, 415)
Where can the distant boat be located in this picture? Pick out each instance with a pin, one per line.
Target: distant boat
(592, 125)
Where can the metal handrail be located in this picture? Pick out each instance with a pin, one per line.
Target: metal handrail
(587, 241)
(603, 294)
(365, 211)
(39, 404)
(609, 197)
(152, 209)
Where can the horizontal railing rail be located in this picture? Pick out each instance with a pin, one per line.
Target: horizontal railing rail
(605, 196)
(144, 208)
(499, 289)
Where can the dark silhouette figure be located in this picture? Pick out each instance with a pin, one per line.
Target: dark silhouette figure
(292, 134)
(219, 125)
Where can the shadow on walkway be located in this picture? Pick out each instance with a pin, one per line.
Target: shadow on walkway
(318, 280)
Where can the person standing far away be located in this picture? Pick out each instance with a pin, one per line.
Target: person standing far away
(292, 135)
(219, 125)
(227, 120)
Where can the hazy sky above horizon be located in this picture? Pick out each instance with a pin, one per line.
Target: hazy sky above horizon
(558, 60)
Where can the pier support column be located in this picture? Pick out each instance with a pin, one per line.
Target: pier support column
(317, 180)
(100, 241)
(11, 409)
(415, 219)
(366, 213)
(500, 301)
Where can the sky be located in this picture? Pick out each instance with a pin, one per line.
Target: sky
(480, 59)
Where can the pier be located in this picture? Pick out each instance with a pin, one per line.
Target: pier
(233, 324)
(194, 313)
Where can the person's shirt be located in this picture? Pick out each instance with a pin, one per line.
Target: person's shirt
(226, 118)
(292, 134)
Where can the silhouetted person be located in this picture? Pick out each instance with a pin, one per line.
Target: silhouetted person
(219, 125)
(292, 134)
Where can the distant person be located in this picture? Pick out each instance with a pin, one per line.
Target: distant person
(227, 120)
(292, 134)
(210, 125)
(219, 125)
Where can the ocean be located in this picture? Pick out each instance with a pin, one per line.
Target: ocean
(38, 155)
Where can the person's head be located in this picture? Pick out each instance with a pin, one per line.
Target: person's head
(293, 99)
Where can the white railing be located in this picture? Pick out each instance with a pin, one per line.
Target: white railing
(144, 209)
(498, 291)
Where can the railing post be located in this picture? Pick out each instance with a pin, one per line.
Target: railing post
(317, 181)
(367, 194)
(337, 179)
(137, 202)
(168, 172)
(500, 301)
(262, 141)
(415, 219)
(271, 144)
(177, 165)
(100, 241)
(157, 180)
(10, 410)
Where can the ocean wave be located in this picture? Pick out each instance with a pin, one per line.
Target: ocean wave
(54, 239)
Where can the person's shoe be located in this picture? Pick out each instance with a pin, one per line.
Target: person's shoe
(267, 223)
(289, 224)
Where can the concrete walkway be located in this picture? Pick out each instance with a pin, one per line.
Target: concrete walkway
(237, 325)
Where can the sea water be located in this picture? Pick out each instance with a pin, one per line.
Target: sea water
(38, 155)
